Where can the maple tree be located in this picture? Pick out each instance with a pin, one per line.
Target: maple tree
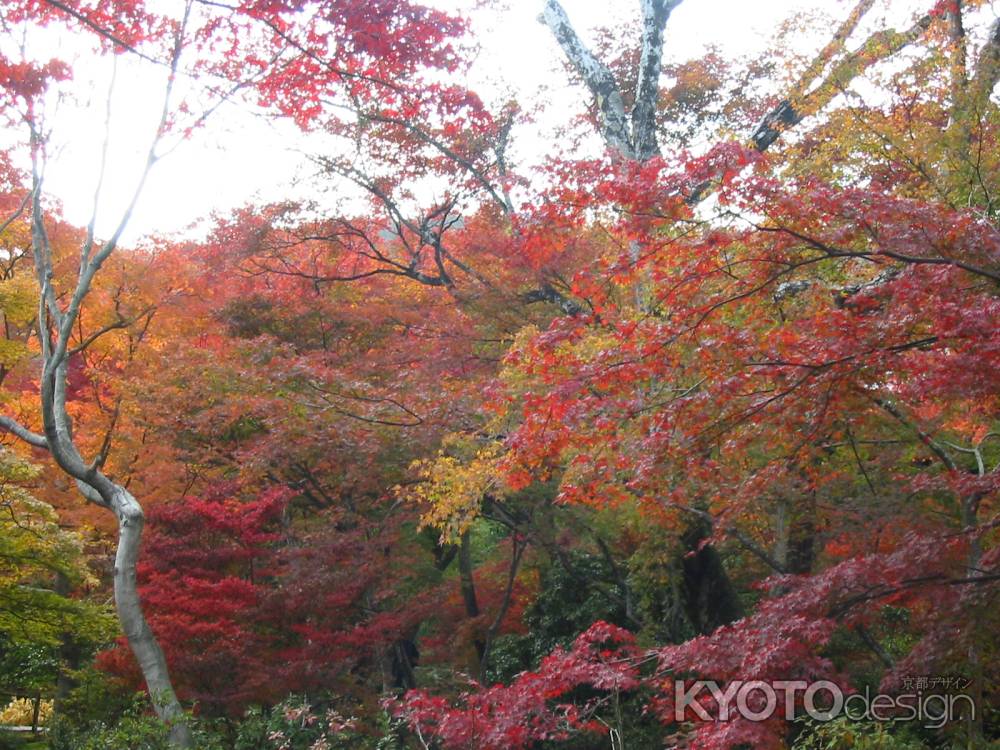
(721, 375)
(360, 57)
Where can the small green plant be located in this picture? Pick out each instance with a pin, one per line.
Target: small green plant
(296, 724)
(132, 727)
(843, 734)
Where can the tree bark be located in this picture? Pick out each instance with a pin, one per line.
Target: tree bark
(632, 135)
(141, 640)
(468, 586)
(709, 598)
(69, 653)
(597, 76)
(517, 549)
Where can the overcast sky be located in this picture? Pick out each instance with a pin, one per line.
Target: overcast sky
(242, 158)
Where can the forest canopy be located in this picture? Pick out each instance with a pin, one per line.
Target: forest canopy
(680, 430)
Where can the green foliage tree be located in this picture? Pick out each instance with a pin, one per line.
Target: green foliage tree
(37, 560)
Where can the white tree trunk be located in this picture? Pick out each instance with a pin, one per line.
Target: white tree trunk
(134, 625)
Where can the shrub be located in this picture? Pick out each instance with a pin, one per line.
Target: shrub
(21, 711)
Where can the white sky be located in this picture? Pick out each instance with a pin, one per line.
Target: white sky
(242, 158)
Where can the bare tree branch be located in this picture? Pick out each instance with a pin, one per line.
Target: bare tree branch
(805, 99)
(655, 14)
(596, 75)
(18, 212)
(987, 72)
(23, 433)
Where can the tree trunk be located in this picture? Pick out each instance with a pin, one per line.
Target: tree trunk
(468, 586)
(36, 709)
(517, 549)
(137, 631)
(709, 599)
(69, 653)
(801, 553)
(970, 522)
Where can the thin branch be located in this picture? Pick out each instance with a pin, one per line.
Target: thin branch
(121, 323)
(100, 30)
(25, 201)
(925, 438)
(517, 550)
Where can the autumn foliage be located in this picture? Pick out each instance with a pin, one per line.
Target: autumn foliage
(501, 462)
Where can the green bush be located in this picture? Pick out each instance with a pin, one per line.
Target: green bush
(131, 732)
(97, 717)
(95, 697)
(295, 724)
(843, 734)
(298, 724)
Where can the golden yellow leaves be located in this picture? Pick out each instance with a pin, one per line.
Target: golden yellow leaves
(452, 485)
(18, 299)
(18, 304)
(21, 712)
